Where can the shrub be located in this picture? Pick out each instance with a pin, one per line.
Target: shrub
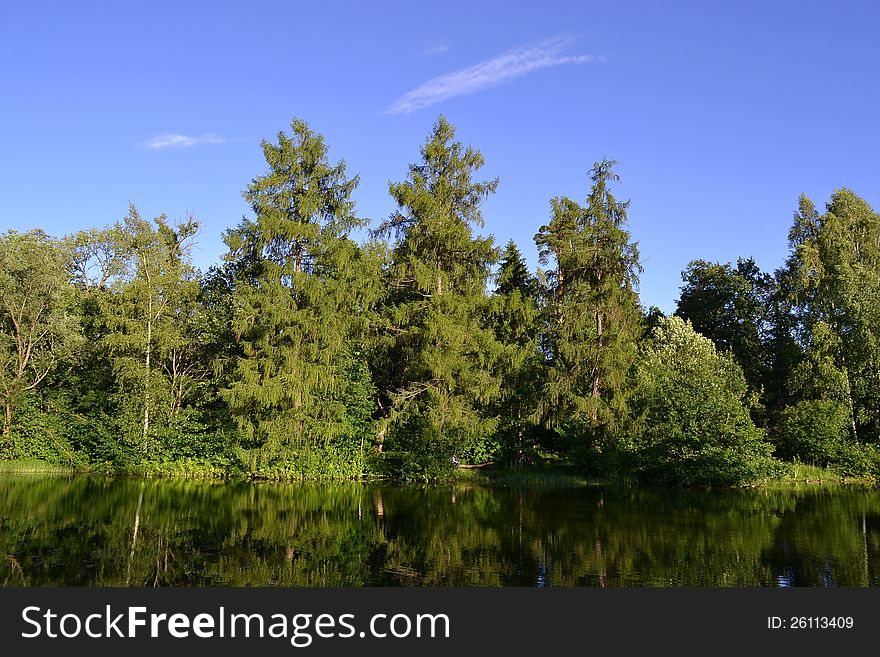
(691, 416)
(812, 432)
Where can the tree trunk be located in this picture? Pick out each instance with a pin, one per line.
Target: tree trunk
(145, 444)
(438, 262)
(852, 408)
(560, 300)
(599, 345)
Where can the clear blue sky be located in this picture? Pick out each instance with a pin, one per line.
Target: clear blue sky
(719, 113)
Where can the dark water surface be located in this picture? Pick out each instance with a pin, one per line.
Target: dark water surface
(117, 532)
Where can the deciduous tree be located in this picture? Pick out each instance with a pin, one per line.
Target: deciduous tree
(731, 306)
(36, 323)
(147, 317)
(690, 402)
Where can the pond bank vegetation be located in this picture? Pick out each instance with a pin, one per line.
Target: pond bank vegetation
(427, 346)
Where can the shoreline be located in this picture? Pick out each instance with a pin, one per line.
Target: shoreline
(548, 476)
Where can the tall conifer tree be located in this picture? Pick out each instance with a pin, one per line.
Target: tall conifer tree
(515, 314)
(296, 301)
(438, 352)
(595, 309)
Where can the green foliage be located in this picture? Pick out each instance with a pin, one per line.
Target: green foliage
(857, 460)
(834, 268)
(782, 347)
(40, 434)
(94, 434)
(308, 355)
(817, 432)
(730, 306)
(436, 358)
(84, 387)
(298, 300)
(813, 431)
(593, 320)
(37, 325)
(690, 405)
(651, 319)
(147, 320)
(515, 315)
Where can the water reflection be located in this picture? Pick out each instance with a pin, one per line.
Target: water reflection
(95, 532)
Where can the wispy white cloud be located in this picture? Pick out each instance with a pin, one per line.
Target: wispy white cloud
(488, 73)
(169, 141)
(437, 49)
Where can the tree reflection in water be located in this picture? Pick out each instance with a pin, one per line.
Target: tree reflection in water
(96, 532)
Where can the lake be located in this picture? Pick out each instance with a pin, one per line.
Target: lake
(82, 531)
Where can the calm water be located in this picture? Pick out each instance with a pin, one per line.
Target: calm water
(96, 532)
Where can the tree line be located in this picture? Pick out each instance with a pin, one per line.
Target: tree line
(309, 354)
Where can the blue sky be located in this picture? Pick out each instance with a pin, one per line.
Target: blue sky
(719, 113)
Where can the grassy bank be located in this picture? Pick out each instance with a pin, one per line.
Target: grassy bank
(566, 476)
(800, 473)
(554, 475)
(34, 467)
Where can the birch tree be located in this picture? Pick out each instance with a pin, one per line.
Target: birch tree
(146, 317)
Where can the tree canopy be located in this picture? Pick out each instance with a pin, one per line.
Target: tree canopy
(321, 349)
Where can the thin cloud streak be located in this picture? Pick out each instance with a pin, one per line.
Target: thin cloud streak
(489, 73)
(171, 141)
(438, 49)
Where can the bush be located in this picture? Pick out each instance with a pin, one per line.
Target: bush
(816, 432)
(857, 460)
(39, 435)
(691, 421)
(812, 432)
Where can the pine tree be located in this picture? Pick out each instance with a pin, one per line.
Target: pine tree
(596, 316)
(296, 299)
(437, 357)
(515, 314)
